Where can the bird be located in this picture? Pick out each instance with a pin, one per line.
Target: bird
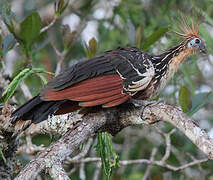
(111, 78)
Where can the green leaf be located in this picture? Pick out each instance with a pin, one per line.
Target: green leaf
(60, 6)
(7, 43)
(9, 91)
(39, 70)
(92, 48)
(139, 36)
(155, 36)
(105, 150)
(199, 100)
(2, 156)
(185, 99)
(30, 29)
(93, 45)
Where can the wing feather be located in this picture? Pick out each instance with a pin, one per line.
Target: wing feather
(103, 100)
(91, 92)
(116, 102)
(90, 68)
(91, 86)
(98, 95)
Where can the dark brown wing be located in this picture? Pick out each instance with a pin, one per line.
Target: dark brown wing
(103, 90)
(108, 80)
(93, 67)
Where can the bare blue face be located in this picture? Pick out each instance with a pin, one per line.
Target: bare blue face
(198, 44)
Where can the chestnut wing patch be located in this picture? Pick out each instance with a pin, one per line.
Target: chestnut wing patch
(103, 90)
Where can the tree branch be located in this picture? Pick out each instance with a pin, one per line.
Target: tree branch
(60, 150)
(113, 120)
(146, 161)
(49, 25)
(185, 124)
(149, 168)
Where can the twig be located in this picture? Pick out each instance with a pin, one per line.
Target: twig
(49, 25)
(159, 163)
(147, 161)
(168, 143)
(61, 56)
(82, 153)
(82, 171)
(149, 168)
(80, 28)
(29, 147)
(97, 171)
(72, 171)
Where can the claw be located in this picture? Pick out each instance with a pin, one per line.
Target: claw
(144, 104)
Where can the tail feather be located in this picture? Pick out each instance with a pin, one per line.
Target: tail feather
(18, 113)
(36, 110)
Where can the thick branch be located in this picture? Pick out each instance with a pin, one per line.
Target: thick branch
(113, 120)
(65, 146)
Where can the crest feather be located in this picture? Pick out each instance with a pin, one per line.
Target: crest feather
(188, 31)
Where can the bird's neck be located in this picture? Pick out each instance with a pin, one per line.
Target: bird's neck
(168, 62)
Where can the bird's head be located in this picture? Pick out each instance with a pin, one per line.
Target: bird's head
(191, 36)
(197, 44)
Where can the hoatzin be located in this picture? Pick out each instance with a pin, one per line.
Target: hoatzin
(111, 79)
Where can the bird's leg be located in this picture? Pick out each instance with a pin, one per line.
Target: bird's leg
(144, 104)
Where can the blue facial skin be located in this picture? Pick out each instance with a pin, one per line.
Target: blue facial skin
(198, 44)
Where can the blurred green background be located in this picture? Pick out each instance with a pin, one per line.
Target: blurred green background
(87, 27)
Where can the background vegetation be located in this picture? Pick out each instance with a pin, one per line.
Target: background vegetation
(35, 41)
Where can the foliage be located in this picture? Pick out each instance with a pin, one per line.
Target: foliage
(2, 156)
(105, 150)
(155, 36)
(184, 99)
(147, 25)
(9, 91)
(30, 29)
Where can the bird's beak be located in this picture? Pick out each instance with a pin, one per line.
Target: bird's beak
(203, 49)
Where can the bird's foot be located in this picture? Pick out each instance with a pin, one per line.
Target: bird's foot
(144, 104)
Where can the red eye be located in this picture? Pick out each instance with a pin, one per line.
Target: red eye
(197, 41)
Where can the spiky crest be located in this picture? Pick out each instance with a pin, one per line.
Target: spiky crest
(188, 31)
